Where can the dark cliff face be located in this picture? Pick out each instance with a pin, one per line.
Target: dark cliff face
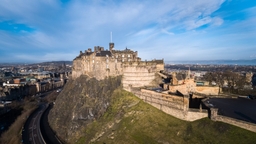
(80, 102)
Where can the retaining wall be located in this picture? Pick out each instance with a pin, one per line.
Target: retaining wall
(139, 75)
(176, 106)
(232, 121)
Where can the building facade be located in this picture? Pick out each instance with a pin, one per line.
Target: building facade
(102, 63)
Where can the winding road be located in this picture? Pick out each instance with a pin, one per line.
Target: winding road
(36, 129)
(31, 133)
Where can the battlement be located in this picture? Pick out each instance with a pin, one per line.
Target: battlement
(126, 50)
(143, 63)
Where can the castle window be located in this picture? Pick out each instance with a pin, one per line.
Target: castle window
(122, 55)
(128, 55)
(92, 61)
(116, 56)
(122, 60)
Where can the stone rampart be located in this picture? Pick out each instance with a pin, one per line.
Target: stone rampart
(207, 90)
(239, 123)
(181, 88)
(138, 74)
(176, 106)
(181, 102)
(189, 86)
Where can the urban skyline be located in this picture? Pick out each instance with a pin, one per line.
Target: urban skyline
(57, 30)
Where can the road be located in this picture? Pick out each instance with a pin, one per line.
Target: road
(241, 108)
(31, 134)
(48, 134)
(36, 129)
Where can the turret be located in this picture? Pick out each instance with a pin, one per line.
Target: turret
(111, 46)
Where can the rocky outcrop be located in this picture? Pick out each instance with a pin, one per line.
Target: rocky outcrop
(81, 101)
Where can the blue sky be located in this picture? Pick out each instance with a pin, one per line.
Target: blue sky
(49, 30)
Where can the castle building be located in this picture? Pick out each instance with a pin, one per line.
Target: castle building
(102, 63)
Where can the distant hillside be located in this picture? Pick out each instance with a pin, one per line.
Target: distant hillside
(90, 111)
(41, 63)
(215, 62)
(55, 63)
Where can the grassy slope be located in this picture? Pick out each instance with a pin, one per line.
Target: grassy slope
(13, 134)
(130, 120)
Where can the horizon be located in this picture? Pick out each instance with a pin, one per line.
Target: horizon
(241, 62)
(43, 31)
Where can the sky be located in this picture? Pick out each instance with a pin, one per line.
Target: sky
(173, 30)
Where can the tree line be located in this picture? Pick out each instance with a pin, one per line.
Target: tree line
(230, 81)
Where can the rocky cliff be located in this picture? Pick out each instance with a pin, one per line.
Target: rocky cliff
(81, 101)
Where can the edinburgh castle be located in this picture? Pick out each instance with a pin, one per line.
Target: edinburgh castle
(102, 63)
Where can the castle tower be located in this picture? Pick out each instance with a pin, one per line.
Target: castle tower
(111, 46)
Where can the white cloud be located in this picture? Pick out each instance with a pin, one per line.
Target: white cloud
(46, 57)
(155, 28)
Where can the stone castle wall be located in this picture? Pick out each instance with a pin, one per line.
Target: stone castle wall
(77, 68)
(207, 90)
(181, 88)
(176, 106)
(138, 74)
(232, 121)
(104, 67)
(98, 67)
(190, 86)
(102, 63)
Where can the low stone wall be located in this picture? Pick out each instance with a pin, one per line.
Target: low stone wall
(190, 85)
(232, 121)
(236, 122)
(176, 106)
(207, 90)
(182, 88)
(196, 115)
(173, 101)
